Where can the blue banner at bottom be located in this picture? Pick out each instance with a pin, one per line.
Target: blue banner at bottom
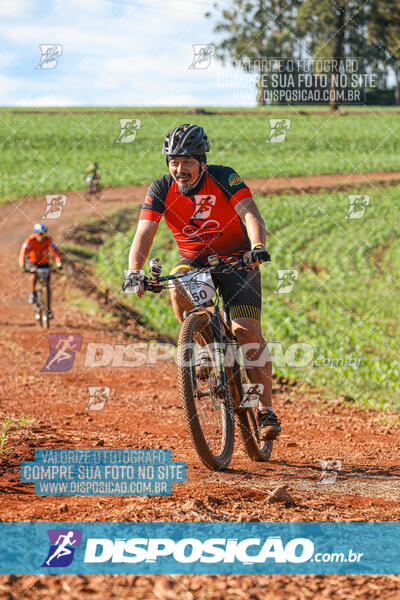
(207, 548)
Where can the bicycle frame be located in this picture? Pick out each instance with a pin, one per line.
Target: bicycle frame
(215, 322)
(43, 280)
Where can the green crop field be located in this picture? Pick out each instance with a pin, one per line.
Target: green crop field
(47, 153)
(344, 303)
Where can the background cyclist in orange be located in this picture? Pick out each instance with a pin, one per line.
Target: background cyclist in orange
(35, 253)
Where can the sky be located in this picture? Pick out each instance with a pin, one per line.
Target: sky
(114, 53)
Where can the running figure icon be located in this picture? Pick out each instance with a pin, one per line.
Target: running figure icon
(63, 544)
(62, 346)
(62, 549)
(62, 351)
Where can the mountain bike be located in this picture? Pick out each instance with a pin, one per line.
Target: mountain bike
(43, 286)
(213, 402)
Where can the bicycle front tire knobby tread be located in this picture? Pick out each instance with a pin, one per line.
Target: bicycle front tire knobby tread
(198, 322)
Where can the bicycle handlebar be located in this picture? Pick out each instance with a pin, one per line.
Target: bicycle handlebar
(216, 264)
(35, 270)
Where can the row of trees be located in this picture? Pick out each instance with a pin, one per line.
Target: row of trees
(325, 29)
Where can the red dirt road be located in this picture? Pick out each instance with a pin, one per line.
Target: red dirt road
(143, 411)
(32, 207)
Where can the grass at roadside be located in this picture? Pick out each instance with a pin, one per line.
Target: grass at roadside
(75, 299)
(344, 303)
(8, 423)
(55, 149)
(312, 108)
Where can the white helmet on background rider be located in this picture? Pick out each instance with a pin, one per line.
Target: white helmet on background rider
(40, 228)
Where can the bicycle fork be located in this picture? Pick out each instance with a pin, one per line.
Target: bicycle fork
(218, 353)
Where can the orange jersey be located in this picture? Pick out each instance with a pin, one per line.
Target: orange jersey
(38, 252)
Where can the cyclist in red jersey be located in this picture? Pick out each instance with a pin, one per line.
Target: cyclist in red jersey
(210, 210)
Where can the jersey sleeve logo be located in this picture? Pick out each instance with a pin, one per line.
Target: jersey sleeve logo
(235, 179)
(148, 200)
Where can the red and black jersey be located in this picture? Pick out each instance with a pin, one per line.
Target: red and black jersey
(203, 221)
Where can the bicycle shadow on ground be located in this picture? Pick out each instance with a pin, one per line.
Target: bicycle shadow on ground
(14, 324)
(349, 471)
(14, 490)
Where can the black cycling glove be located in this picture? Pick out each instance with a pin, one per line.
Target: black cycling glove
(256, 255)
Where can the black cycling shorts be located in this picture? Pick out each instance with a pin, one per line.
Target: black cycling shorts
(240, 290)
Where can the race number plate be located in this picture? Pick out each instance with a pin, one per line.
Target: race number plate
(43, 273)
(200, 287)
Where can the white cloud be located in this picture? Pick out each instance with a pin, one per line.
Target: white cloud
(15, 8)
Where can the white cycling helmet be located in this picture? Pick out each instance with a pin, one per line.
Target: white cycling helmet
(40, 228)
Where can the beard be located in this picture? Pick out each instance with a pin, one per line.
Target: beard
(186, 186)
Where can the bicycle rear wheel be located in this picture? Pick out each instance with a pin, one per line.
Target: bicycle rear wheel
(39, 315)
(258, 450)
(208, 408)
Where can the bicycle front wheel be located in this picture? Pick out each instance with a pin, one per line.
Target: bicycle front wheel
(206, 403)
(39, 308)
(45, 312)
